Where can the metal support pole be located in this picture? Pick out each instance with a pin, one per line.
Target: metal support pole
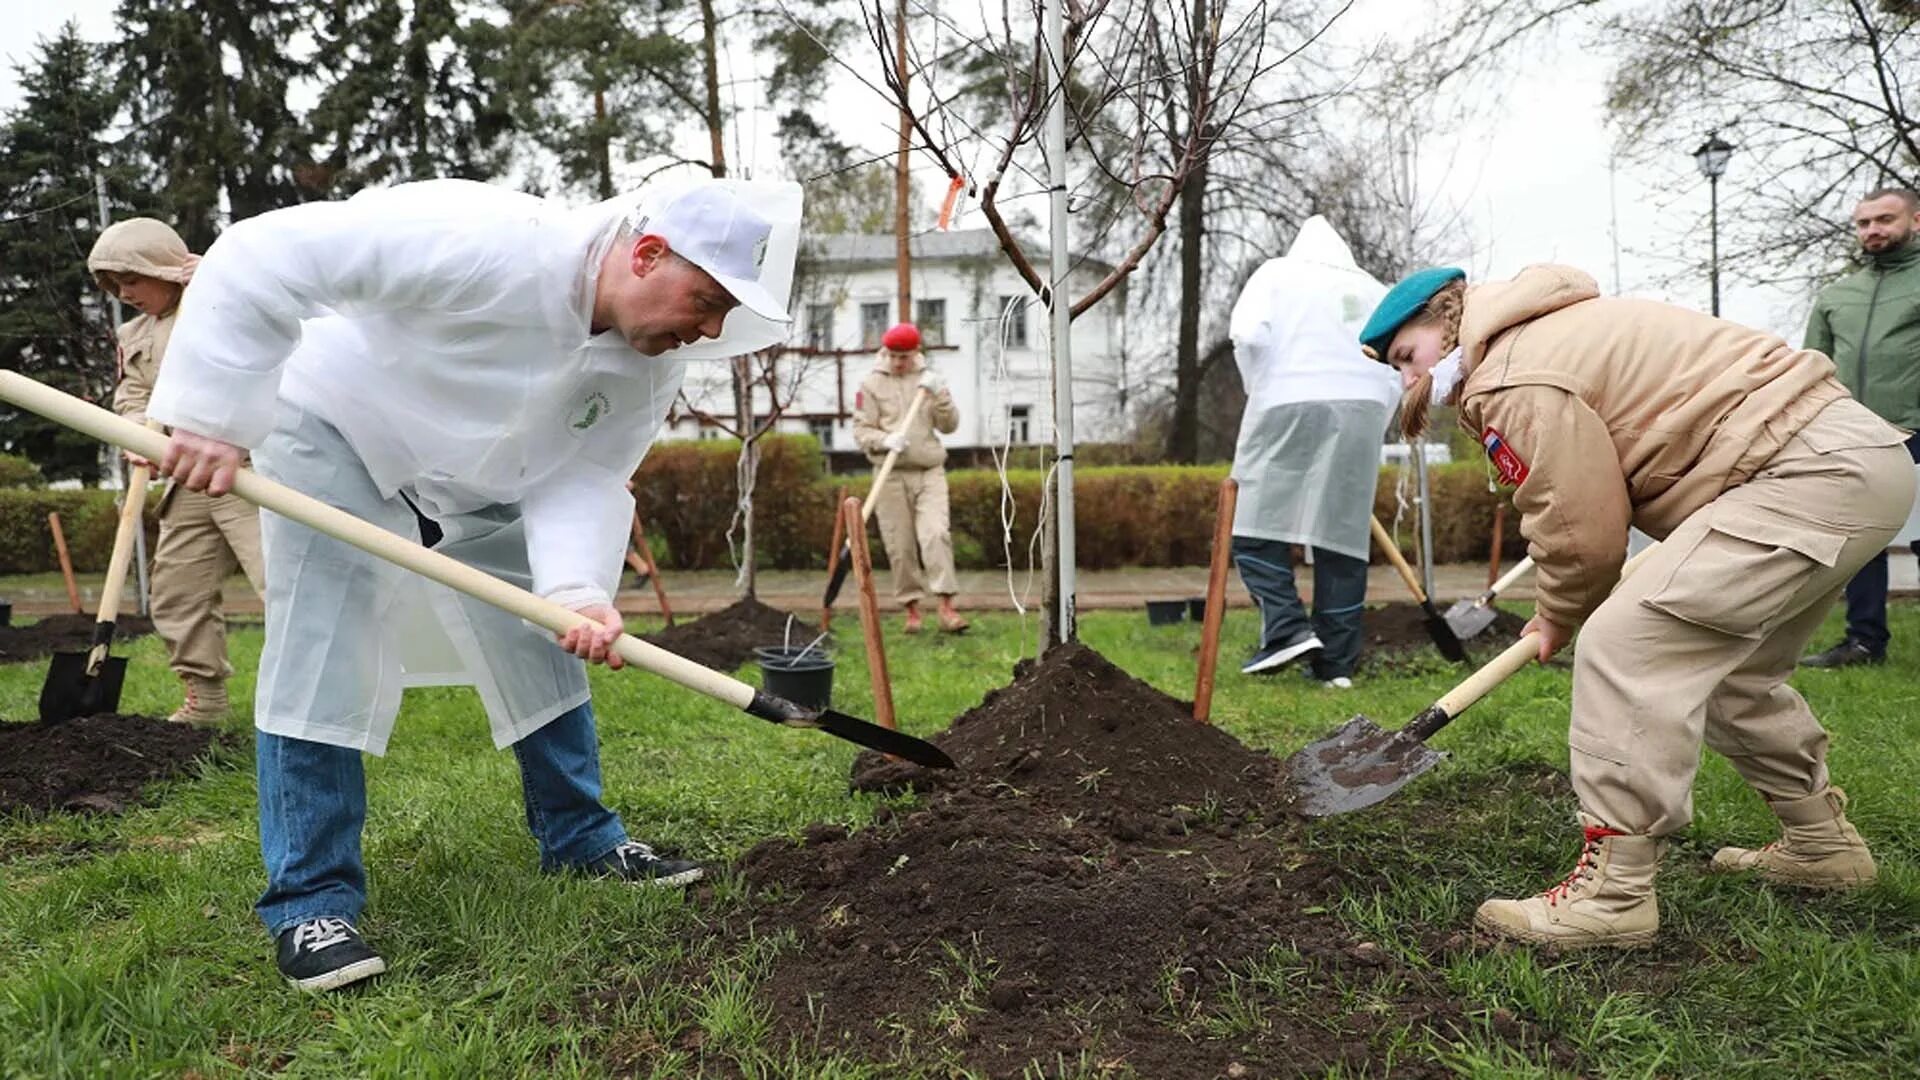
(120, 460)
(1713, 227)
(1419, 450)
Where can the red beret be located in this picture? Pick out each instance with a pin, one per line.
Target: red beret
(901, 337)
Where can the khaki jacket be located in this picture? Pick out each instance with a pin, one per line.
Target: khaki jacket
(881, 405)
(143, 340)
(1607, 413)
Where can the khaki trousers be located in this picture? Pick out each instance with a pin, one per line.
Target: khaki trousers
(1698, 644)
(914, 527)
(203, 540)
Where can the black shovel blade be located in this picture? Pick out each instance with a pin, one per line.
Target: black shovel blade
(1469, 617)
(854, 730)
(1358, 765)
(840, 571)
(1443, 636)
(69, 691)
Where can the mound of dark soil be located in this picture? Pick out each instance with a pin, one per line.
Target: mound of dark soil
(726, 639)
(1402, 627)
(1101, 884)
(63, 633)
(91, 763)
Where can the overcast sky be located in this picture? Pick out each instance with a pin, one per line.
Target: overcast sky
(1532, 177)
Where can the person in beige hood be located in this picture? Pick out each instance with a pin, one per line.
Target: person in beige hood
(912, 507)
(1768, 485)
(203, 539)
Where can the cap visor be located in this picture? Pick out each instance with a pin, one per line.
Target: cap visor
(755, 298)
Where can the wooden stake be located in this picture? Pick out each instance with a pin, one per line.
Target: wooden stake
(1216, 601)
(652, 570)
(66, 564)
(869, 614)
(1499, 533)
(833, 550)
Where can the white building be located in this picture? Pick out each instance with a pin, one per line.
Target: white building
(981, 327)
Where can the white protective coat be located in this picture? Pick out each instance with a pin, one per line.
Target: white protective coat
(443, 328)
(1308, 455)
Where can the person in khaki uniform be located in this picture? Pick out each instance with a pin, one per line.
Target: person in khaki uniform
(912, 507)
(1769, 485)
(203, 539)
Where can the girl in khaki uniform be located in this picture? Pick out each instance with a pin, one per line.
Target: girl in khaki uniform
(203, 539)
(1769, 486)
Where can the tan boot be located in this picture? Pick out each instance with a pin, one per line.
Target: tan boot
(1607, 901)
(1818, 847)
(951, 621)
(914, 621)
(206, 703)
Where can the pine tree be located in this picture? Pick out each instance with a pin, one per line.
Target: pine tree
(204, 85)
(414, 91)
(53, 321)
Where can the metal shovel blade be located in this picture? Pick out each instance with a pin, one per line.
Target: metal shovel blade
(886, 740)
(840, 571)
(69, 691)
(1443, 635)
(1468, 618)
(1358, 765)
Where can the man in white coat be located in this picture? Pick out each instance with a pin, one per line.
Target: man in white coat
(497, 365)
(1309, 450)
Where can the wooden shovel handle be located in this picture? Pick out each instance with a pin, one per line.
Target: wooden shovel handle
(1399, 561)
(885, 470)
(314, 514)
(132, 511)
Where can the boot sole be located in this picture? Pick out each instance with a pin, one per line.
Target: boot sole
(684, 877)
(1775, 877)
(1638, 939)
(342, 976)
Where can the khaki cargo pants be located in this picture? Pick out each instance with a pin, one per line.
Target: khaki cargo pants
(203, 540)
(1698, 644)
(914, 528)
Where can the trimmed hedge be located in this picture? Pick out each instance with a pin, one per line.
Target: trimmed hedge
(1151, 515)
(87, 517)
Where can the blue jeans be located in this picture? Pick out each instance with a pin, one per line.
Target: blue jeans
(1339, 598)
(313, 806)
(1867, 592)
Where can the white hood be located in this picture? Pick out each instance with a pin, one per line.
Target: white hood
(1296, 326)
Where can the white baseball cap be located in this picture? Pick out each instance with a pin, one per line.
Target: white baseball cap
(711, 226)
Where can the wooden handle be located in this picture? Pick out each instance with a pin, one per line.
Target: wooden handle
(342, 526)
(1216, 600)
(886, 466)
(132, 513)
(653, 568)
(1519, 571)
(1498, 670)
(66, 562)
(1399, 561)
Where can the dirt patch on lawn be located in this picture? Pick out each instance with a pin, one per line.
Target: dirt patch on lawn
(1101, 887)
(93, 764)
(1399, 628)
(726, 638)
(63, 633)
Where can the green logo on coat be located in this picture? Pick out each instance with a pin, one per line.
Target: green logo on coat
(591, 410)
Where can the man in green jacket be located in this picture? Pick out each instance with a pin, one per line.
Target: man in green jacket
(1869, 323)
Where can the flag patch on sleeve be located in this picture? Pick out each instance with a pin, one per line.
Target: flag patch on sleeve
(1506, 462)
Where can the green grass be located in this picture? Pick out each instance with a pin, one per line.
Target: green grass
(127, 947)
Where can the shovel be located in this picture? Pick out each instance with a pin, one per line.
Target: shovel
(844, 564)
(1361, 763)
(88, 683)
(101, 424)
(1437, 629)
(1469, 617)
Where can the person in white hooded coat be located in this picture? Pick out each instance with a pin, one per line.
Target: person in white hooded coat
(455, 359)
(1308, 454)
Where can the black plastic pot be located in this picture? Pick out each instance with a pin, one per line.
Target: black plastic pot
(6, 613)
(806, 680)
(1165, 612)
(1197, 608)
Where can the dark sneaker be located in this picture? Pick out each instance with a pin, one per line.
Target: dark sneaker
(634, 861)
(1849, 653)
(1272, 657)
(326, 954)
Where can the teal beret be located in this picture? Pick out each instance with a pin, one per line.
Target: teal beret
(1403, 302)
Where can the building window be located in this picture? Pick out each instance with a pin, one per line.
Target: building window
(873, 323)
(1013, 334)
(931, 317)
(1019, 424)
(822, 432)
(820, 327)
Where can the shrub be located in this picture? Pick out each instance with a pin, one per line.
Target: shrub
(19, 472)
(87, 518)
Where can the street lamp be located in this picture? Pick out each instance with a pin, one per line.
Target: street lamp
(1712, 159)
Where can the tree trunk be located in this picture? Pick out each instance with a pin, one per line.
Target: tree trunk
(749, 468)
(602, 144)
(903, 256)
(710, 49)
(1184, 443)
